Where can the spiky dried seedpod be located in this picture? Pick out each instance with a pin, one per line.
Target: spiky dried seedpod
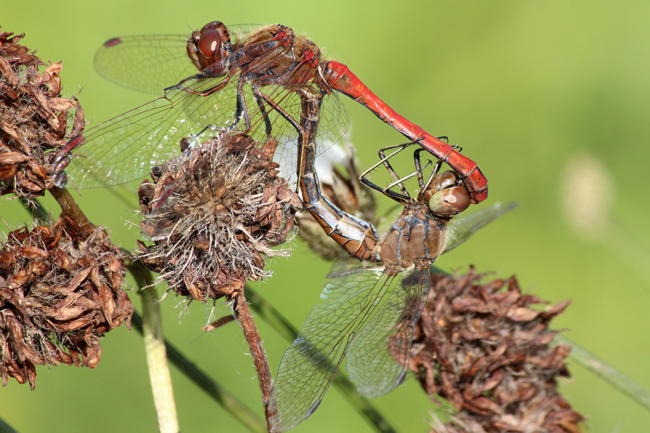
(33, 119)
(338, 177)
(213, 213)
(488, 352)
(59, 293)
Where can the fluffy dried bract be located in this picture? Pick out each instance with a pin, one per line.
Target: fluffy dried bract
(59, 293)
(33, 119)
(488, 352)
(213, 213)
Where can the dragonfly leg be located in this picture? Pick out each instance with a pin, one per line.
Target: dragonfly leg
(202, 93)
(402, 197)
(260, 98)
(264, 98)
(357, 237)
(241, 111)
(419, 168)
(267, 121)
(340, 78)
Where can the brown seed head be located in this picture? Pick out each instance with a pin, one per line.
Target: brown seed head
(213, 213)
(484, 348)
(59, 293)
(33, 119)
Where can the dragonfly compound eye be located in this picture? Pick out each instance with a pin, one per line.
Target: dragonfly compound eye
(209, 45)
(444, 180)
(448, 202)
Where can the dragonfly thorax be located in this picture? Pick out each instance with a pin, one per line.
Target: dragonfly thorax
(417, 238)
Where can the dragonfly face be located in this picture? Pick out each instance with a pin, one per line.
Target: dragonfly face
(209, 45)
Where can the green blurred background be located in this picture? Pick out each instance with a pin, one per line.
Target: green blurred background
(548, 97)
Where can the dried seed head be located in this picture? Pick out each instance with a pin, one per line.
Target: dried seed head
(338, 174)
(33, 119)
(488, 352)
(59, 293)
(213, 213)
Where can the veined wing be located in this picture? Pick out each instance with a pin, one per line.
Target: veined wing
(378, 356)
(332, 125)
(377, 360)
(460, 229)
(127, 146)
(151, 63)
(308, 366)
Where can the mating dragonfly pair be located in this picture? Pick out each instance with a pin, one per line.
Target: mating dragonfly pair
(270, 82)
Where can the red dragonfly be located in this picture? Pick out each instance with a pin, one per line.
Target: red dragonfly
(250, 80)
(368, 313)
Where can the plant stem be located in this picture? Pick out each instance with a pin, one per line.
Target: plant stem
(258, 353)
(219, 394)
(36, 210)
(201, 379)
(154, 344)
(607, 372)
(70, 207)
(6, 428)
(283, 327)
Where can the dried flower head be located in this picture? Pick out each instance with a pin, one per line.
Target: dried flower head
(338, 174)
(33, 119)
(213, 213)
(488, 352)
(59, 293)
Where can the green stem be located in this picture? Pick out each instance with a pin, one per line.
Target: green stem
(607, 372)
(283, 327)
(36, 210)
(6, 428)
(201, 379)
(154, 345)
(219, 394)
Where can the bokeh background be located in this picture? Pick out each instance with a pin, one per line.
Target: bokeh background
(551, 98)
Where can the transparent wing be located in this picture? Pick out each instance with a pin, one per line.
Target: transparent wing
(332, 125)
(308, 366)
(149, 63)
(127, 146)
(377, 360)
(460, 229)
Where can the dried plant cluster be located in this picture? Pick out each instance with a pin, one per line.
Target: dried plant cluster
(33, 119)
(488, 352)
(59, 293)
(213, 213)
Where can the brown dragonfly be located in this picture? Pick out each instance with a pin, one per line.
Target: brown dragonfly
(368, 313)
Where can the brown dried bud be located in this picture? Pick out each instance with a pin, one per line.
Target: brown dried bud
(338, 178)
(488, 352)
(59, 293)
(33, 119)
(213, 213)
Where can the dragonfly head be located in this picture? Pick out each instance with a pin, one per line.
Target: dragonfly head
(209, 45)
(446, 197)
